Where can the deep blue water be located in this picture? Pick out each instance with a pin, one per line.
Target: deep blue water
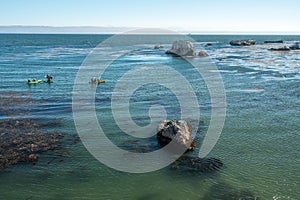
(259, 143)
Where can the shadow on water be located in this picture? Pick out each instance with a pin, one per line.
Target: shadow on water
(223, 191)
(151, 196)
(140, 145)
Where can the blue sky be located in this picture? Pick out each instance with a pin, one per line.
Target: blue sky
(196, 15)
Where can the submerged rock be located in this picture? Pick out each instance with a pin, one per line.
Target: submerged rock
(197, 164)
(33, 157)
(242, 42)
(180, 131)
(182, 48)
(158, 46)
(202, 54)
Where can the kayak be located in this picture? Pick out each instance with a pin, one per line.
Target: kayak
(34, 82)
(97, 81)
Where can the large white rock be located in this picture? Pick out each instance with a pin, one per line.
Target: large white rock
(183, 48)
(180, 131)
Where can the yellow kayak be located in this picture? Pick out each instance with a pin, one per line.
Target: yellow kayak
(97, 81)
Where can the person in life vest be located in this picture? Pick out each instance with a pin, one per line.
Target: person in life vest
(49, 78)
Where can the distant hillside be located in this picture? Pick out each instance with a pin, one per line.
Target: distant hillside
(68, 29)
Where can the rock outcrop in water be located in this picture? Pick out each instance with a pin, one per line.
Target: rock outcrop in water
(182, 48)
(295, 46)
(285, 48)
(242, 42)
(180, 131)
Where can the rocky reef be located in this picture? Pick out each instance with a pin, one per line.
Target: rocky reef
(242, 42)
(22, 137)
(21, 140)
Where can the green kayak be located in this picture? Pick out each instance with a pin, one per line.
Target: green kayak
(34, 82)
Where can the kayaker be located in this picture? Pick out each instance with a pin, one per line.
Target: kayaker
(49, 78)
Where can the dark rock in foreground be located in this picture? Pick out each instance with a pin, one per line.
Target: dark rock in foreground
(197, 164)
(182, 48)
(180, 131)
(242, 42)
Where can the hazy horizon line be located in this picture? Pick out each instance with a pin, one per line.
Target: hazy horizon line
(46, 29)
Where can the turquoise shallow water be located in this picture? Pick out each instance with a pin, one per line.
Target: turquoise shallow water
(259, 144)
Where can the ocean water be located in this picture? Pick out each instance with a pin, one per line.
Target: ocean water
(259, 144)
